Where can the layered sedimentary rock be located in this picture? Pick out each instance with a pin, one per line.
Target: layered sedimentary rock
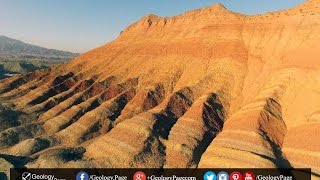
(208, 88)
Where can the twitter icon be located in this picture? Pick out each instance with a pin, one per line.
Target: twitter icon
(210, 176)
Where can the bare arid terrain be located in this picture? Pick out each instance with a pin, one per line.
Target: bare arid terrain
(207, 88)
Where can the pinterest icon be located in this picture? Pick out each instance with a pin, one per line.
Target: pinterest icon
(235, 176)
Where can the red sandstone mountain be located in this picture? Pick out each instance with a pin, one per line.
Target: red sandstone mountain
(208, 88)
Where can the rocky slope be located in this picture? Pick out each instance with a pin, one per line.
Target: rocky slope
(208, 88)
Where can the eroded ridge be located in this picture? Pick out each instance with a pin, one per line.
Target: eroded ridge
(147, 129)
(253, 136)
(194, 131)
(207, 88)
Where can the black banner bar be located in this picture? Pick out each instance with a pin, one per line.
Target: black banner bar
(160, 174)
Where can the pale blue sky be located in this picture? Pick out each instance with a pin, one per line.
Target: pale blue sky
(80, 25)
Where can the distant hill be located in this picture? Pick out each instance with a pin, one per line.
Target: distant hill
(11, 47)
(17, 57)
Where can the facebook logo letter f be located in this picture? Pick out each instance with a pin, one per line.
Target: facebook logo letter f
(82, 176)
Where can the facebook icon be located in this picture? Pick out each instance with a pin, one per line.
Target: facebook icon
(82, 176)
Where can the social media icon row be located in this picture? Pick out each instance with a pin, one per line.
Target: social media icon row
(212, 176)
(225, 176)
(207, 176)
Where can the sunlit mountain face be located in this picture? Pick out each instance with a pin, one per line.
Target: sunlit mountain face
(207, 88)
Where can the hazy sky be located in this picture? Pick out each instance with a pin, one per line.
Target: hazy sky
(80, 25)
